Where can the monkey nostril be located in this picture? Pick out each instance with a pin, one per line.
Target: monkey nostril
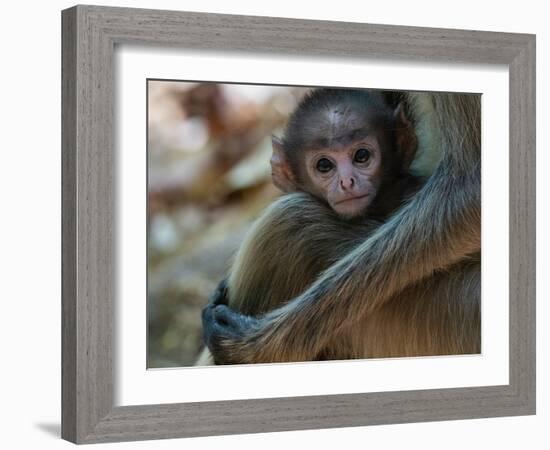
(347, 184)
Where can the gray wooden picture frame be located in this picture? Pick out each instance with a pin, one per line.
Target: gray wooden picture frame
(90, 34)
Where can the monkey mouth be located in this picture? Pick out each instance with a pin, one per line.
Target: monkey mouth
(349, 199)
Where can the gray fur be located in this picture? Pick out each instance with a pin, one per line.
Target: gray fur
(408, 287)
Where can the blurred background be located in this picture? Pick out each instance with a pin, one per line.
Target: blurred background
(209, 177)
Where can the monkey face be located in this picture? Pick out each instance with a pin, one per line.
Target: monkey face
(347, 177)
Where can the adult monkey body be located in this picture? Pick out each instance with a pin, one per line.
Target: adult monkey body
(349, 149)
(410, 287)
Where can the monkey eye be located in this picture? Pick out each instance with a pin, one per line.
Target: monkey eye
(362, 155)
(324, 165)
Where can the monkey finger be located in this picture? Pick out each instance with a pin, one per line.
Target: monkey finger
(219, 297)
(213, 330)
(233, 320)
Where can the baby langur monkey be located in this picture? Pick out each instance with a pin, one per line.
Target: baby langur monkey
(350, 150)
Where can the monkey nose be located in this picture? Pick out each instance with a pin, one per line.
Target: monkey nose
(347, 183)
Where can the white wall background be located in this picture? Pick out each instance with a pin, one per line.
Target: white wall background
(31, 208)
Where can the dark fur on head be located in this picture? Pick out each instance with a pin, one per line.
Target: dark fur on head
(335, 117)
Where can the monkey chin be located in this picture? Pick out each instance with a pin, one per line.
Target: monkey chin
(352, 208)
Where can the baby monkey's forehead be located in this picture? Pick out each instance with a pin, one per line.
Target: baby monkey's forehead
(337, 139)
(336, 124)
(346, 116)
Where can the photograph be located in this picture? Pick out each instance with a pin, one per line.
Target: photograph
(262, 200)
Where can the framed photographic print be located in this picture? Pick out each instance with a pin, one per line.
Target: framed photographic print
(255, 209)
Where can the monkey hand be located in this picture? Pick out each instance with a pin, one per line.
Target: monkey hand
(224, 329)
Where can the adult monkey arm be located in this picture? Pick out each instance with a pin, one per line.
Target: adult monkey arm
(284, 253)
(438, 228)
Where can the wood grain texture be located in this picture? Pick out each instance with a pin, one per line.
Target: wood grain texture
(68, 227)
(523, 224)
(89, 198)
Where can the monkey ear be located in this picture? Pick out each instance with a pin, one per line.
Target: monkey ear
(281, 171)
(406, 140)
